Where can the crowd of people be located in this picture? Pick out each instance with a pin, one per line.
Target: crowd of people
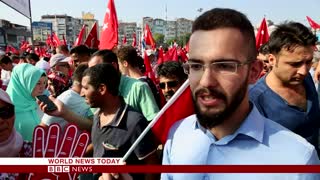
(252, 106)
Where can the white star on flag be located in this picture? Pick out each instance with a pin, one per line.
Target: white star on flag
(105, 26)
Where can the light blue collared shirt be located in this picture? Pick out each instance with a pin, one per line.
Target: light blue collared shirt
(258, 141)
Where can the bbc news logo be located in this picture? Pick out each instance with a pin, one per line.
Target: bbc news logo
(58, 169)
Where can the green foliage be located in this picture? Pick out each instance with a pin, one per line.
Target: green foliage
(181, 40)
(159, 38)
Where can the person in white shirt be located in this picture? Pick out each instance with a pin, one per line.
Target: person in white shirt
(72, 100)
(6, 69)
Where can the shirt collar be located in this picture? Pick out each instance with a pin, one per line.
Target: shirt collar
(252, 126)
(119, 114)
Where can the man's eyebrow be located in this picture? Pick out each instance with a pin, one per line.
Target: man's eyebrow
(195, 60)
(216, 60)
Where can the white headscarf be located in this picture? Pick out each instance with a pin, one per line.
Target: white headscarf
(12, 146)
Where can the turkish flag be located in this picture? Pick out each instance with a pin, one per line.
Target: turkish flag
(11, 49)
(313, 24)
(92, 39)
(148, 37)
(182, 54)
(160, 56)
(64, 40)
(124, 40)
(149, 72)
(55, 40)
(24, 45)
(80, 36)
(177, 108)
(262, 35)
(171, 55)
(109, 33)
(49, 41)
(134, 42)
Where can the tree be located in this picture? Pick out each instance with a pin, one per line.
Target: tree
(159, 38)
(183, 40)
(170, 41)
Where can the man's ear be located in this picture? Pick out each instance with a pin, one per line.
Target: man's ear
(102, 89)
(115, 65)
(125, 63)
(255, 71)
(272, 59)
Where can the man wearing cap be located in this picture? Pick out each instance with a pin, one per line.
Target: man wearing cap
(44, 65)
(60, 63)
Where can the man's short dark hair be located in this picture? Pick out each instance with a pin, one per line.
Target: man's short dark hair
(264, 49)
(81, 50)
(140, 64)
(108, 56)
(171, 69)
(290, 35)
(218, 18)
(33, 56)
(4, 59)
(78, 73)
(129, 54)
(104, 73)
(63, 48)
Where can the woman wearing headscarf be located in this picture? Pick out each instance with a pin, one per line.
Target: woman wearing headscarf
(11, 142)
(27, 82)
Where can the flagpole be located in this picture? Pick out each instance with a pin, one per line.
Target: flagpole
(31, 29)
(156, 118)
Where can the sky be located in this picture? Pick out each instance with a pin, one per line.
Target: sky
(133, 10)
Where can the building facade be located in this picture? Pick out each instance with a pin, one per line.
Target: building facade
(64, 25)
(13, 34)
(127, 29)
(89, 20)
(41, 30)
(170, 29)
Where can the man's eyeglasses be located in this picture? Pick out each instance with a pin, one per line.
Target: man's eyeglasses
(7, 112)
(170, 84)
(222, 67)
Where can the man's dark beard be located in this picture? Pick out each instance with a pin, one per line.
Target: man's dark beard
(169, 94)
(211, 120)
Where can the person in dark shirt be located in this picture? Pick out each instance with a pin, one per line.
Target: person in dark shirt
(287, 93)
(116, 125)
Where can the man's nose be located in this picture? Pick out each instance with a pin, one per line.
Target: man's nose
(208, 78)
(304, 69)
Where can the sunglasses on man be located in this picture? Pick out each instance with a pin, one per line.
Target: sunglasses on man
(7, 111)
(169, 84)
